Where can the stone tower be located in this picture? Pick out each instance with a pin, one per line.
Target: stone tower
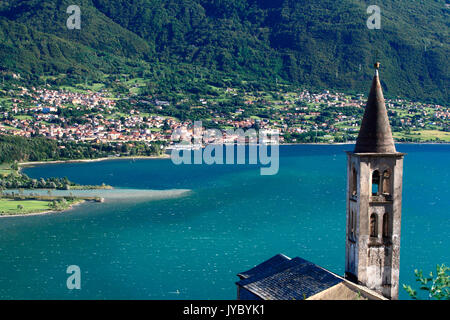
(374, 201)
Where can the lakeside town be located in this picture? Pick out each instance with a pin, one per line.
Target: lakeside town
(302, 116)
(96, 121)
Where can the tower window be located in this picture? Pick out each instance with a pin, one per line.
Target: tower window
(387, 182)
(386, 226)
(352, 226)
(373, 226)
(375, 183)
(354, 182)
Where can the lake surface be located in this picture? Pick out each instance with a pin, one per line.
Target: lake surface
(190, 244)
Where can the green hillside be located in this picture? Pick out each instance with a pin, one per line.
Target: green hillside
(320, 43)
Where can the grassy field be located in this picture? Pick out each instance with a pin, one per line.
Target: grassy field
(424, 135)
(5, 169)
(74, 89)
(10, 128)
(11, 207)
(117, 115)
(23, 117)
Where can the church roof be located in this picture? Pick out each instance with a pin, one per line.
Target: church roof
(375, 134)
(265, 267)
(282, 278)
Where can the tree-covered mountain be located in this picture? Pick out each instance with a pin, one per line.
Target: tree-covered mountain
(320, 43)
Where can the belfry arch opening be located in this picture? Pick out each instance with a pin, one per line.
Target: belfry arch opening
(387, 182)
(373, 226)
(375, 183)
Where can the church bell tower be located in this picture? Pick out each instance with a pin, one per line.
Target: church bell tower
(374, 201)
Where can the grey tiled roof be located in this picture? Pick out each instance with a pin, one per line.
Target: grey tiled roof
(266, 266)
(281, 278)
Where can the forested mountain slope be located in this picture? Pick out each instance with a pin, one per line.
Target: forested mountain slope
(320, 43)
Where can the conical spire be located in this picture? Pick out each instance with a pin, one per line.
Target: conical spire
(375, 134)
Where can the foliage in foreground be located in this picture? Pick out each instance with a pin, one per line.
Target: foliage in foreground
(437, 286)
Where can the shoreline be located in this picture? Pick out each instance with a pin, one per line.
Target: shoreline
(167, 156)
(133, 195)
(33, 163)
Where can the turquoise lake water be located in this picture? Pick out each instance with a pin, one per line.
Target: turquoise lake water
(208, 223)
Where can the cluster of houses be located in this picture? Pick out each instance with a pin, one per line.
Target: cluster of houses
(97, 129)
(38, 111)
